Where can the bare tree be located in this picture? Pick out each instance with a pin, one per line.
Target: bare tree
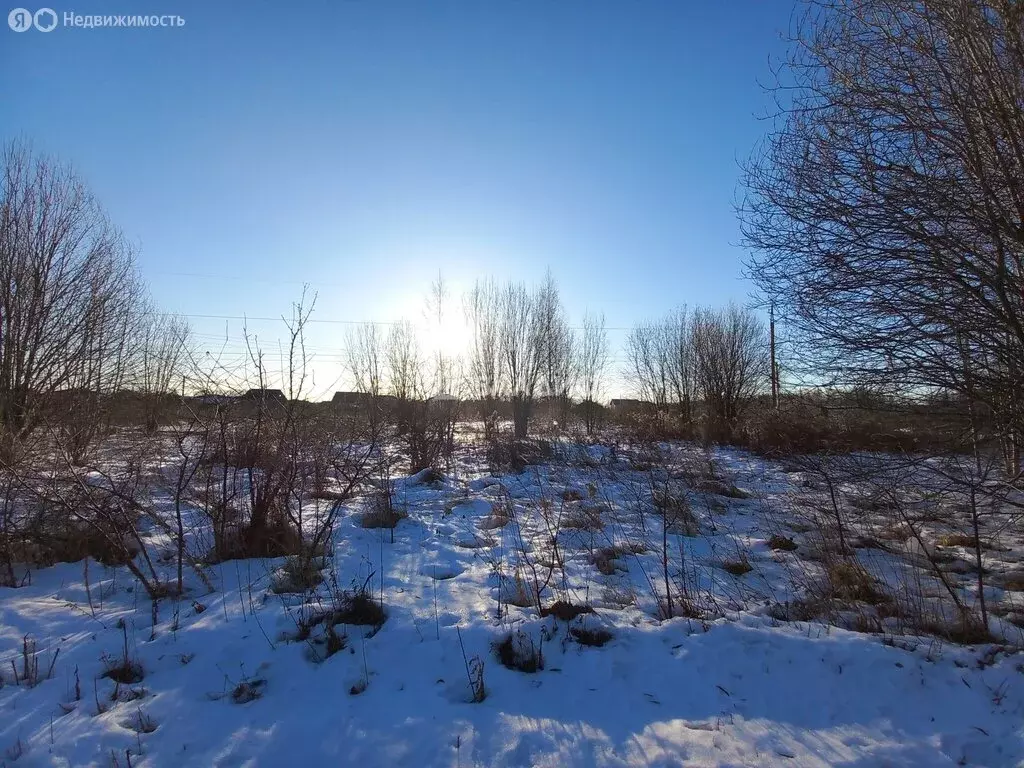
(648, 364)
(593, 359)
(365, 352)
(405, 371)
(522, 351)
(484, 366)
(559, 368)
(678, 352)
(162, 365)
(67, 287)
(884, 212)
(730, 356)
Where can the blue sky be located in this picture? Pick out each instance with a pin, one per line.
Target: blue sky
(363, 145)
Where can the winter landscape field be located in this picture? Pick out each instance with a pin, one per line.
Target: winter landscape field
(512, 384)
(514, 618)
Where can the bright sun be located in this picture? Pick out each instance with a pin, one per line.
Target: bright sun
(450, 337)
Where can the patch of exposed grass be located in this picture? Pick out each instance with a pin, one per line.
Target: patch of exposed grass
(961, 540)
(796, 610)
(675, 508)
(354, 608)
(499, 517)
(583, 518)
(248, 690)
(141, 723)
(382, 518)
(737, 567)
(591, 637)
(849, 581)
(966, 631)
(297, 575)
(125, 671)
(359, 609)
(604, 560)
(517, 651)
(720, 488)
(564, 611)
(783, 543)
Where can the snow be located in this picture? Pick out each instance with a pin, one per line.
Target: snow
(734, 688)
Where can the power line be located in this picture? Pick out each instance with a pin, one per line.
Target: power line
(257, 318)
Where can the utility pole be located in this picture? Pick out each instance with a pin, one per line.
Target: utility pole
(775, 366)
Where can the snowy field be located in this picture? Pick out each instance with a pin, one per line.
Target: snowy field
(765, 660)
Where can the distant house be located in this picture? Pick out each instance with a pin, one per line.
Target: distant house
(265, 395)
(443, 403)
(211, 399)
(443, 399)
(623, 405)
(351, 399)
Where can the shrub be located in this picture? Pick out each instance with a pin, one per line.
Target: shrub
(517, 651)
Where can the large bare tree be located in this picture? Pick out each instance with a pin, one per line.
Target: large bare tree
(68, 289)
(484, 365)
(884, 210)
(647, 363)
(365, 354)
(730, 355)
(521, 341)
(593, 360)
(559, 361)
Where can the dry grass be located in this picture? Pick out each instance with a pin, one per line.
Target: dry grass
(675, 508)
(591, 637)
(248, 690)
(605, 559)
(517, 651)
(737, 567)
(719, 488)
(382, 518)
(297, 575)
(850, 581)
(499, 517)
(583, 517)
(961, 540)
(565, 611)
(783, 543)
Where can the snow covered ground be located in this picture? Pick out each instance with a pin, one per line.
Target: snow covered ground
(250, 674)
